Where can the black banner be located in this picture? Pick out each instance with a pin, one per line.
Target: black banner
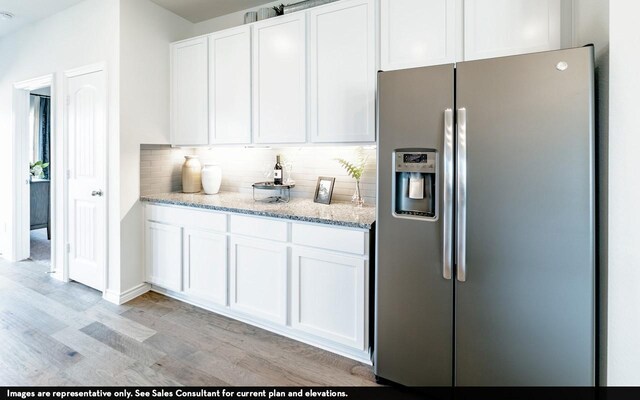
(320, 393)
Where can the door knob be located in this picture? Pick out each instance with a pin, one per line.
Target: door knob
(97, 193)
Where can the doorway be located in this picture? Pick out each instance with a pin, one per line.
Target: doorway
(34, 175)
(41, 182)
(74, 222)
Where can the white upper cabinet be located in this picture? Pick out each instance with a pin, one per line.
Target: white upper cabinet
(279, 80)
(494, 28)
(416, 33)
(230, 86)
(342, 72)
(189, 109)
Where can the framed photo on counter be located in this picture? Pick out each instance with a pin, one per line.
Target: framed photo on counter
(324, 190)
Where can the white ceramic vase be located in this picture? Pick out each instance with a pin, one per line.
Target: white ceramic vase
(211, 178)
(191, 175)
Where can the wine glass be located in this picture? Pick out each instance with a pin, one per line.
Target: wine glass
(288, 172)
(267, 172)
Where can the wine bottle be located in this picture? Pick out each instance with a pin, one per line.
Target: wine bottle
(277, 172)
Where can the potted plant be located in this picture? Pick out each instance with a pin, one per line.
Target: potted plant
(36, 169)
(355, 170)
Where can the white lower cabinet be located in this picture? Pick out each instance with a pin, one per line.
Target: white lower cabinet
(164, 255)
(205, 265)
(306, 281)
(328, 296)
(259, 278)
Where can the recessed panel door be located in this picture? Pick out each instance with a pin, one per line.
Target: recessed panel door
(86, 122)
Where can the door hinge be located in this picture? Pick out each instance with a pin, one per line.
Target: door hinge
(68, 174)
(68, 247)
(68, 100)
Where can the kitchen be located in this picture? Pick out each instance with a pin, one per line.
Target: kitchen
(241, 94)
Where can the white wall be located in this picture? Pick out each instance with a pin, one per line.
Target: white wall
(145, 33)
(81, 35)
(624, 196)
(229, 20)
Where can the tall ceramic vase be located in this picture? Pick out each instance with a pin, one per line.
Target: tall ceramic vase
(191, 175)
(211, 178)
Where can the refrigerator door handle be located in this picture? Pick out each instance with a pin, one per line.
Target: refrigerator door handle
(447, 196)
(461, 186)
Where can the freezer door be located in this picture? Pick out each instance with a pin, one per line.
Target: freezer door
(414, 295)
(525, 311)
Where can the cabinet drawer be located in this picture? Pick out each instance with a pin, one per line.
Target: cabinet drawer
(209, 220)
(259, 227)
(344, 240)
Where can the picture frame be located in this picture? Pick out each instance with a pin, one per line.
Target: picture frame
(324, 190)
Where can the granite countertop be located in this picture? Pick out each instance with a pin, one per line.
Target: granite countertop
(337, 213)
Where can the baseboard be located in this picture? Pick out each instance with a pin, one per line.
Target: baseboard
(363, 357)
(127, 295)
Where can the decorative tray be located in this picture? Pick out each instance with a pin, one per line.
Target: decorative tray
(283, 195)
(271, 186)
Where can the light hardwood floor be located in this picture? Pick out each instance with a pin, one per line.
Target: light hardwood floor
(54, 333)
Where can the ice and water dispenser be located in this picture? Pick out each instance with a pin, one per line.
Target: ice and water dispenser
(415, 181)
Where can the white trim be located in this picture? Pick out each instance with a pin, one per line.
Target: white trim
(84, 70)
(126, 296)
(19, 242)
(284, 330)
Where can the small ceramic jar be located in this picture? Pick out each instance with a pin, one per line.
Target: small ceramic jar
(191, 175)
(211, 178)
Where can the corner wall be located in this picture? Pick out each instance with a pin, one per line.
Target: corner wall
(146, 30)
(623, 317)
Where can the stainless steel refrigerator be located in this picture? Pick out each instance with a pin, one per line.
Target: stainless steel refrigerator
(485, 255)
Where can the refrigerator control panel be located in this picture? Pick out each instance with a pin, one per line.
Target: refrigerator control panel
(416, 162)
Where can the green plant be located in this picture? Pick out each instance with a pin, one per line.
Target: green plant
(37, 168)
(354, 169)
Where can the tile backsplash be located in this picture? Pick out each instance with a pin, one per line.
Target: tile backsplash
(160, 168)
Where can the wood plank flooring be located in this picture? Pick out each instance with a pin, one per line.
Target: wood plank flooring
(54, 333)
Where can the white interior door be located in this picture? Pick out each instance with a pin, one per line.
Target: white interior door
(86, 119)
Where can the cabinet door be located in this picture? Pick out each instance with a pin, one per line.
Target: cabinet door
(189, 110)
(342, 72)
(259, 278)
(205, 265)
(329, 296)
(495, 28)
(164, 255)
(230, 86)
(417, 33)
(279, 80)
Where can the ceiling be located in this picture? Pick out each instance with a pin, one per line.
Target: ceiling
(202, 10)
(28, 11)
